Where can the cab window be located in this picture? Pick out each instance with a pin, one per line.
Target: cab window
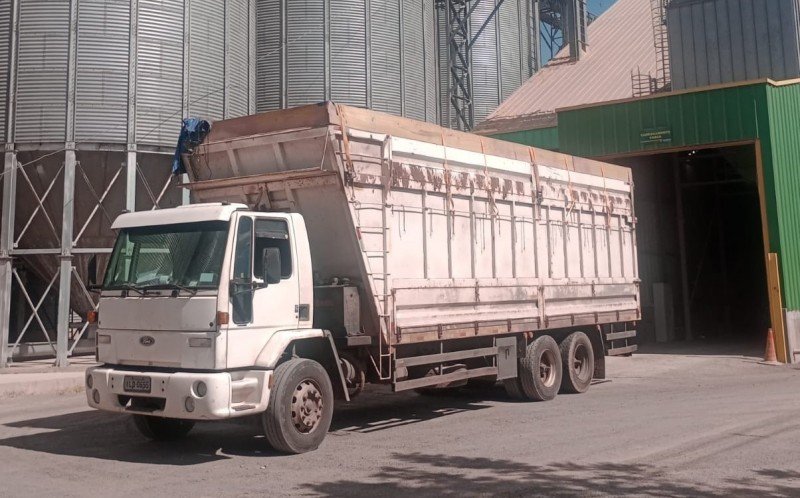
(272, 233)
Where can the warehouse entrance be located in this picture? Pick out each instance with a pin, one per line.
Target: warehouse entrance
(701, 245)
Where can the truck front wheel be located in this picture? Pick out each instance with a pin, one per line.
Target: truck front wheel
(162, 429)
(300, 406)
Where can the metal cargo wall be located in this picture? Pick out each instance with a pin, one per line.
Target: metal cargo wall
(378, 54)
(722, 41)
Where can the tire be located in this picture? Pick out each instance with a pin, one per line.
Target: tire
(540, 370)
(577, 357)
(162, 429)
(295, 424)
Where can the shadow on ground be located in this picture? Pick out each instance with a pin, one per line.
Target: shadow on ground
(437, 475)
(106, 436)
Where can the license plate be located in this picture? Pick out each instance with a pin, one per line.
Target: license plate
(136, 384)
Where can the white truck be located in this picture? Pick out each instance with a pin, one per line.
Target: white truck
(334, 247)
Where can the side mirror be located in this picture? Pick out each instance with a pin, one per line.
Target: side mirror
(271, 258)
(91, 276)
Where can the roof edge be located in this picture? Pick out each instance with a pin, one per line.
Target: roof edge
(719, 86)
(513, 124)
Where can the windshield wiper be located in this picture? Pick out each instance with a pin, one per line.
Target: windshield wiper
(190, 290)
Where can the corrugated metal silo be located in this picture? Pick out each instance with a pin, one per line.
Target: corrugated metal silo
(98, 90)
(500, 62)
(722, 41)
(379, 54)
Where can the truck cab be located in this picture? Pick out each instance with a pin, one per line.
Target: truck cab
(197, 307)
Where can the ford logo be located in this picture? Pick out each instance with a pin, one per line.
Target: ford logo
(147, 340)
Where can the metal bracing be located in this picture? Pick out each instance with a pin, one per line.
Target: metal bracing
(561, 23)
(65, 242)
(460, 40)
(552, 25)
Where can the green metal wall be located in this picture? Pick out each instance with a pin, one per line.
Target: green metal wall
(760, 111)
(784, 156)
(544, 138)
(697, 118)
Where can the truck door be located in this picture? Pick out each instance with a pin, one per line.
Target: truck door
(260, 308)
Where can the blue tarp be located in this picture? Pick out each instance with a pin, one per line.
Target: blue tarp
(193, 132)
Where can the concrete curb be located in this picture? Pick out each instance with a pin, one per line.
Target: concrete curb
(14, 385)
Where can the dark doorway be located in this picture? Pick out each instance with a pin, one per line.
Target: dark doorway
(701, 249)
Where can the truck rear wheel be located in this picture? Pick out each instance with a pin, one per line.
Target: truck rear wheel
(577, 357)
(300, 406)
(540, 370)
(162, 429)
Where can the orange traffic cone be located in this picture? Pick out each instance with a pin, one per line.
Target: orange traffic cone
(770, 357)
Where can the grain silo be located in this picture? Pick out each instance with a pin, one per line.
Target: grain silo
(379, 54)
(91, 94)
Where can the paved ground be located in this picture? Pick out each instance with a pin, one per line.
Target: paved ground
(667, 424)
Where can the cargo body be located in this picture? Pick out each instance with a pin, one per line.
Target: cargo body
(447, 235)
(331, 247)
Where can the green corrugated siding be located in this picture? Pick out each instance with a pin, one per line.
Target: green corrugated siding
(545, 138)
(784, 148)
(705, 117)
(760, 111)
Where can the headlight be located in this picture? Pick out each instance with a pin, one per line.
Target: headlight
(96, 396)
(189, 404)
(89, 381)
(201, 389)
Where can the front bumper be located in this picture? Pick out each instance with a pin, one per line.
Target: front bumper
(228, 394)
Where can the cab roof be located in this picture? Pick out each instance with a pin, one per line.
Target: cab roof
(184, 214)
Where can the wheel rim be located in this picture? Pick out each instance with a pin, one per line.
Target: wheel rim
(580, 362)
(307, 406)
(547, 368)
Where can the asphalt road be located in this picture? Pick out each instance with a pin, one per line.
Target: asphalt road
(669, 424)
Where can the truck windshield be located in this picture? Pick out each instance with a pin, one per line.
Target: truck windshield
(184, 256)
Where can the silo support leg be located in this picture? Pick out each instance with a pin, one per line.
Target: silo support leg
(6, 238)
(130, 181)
(65, 272)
